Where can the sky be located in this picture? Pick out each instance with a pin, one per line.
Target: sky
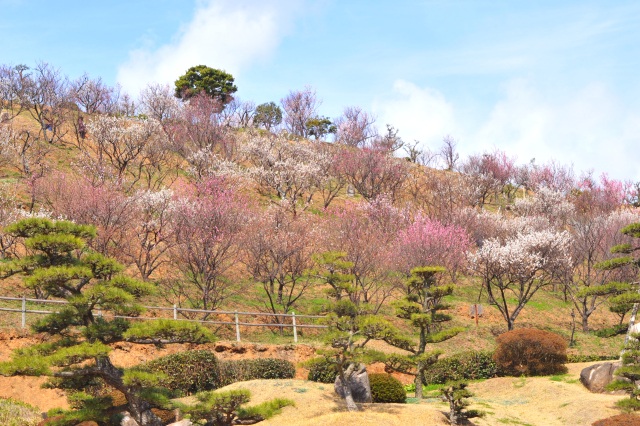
(545, 80)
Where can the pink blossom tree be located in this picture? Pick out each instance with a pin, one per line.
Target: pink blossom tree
(208, 219)
(427, 242)
(373, 172)
(299, 107)
(355, 127)
(278, 255)
(366, 233)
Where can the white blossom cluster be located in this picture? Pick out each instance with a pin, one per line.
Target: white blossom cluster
(548, 203)
(122, 139)
(206, 163)
(290, 169)
(525, 255)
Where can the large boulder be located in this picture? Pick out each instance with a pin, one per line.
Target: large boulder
(598, 376)
(358, 381)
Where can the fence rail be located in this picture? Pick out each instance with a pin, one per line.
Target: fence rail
(294, 324)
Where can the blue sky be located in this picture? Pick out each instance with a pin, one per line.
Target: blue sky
(538, 79)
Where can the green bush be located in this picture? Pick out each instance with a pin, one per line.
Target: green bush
(321, 370)
(530, 352)
(386, 388)
(612, 331)
(186, 372)
(591, 358)
(16, 413)
(250, 369)
(468, 365)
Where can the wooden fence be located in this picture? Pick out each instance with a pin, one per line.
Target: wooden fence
(283, 320)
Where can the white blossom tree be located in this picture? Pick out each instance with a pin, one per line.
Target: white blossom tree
(518, 267)
(286, 169)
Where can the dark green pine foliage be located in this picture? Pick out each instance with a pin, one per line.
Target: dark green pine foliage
(624, 294)
(422, 307)
(456, 394)
(60, 264)
(215, 83)
(630, 371)
(351, 324)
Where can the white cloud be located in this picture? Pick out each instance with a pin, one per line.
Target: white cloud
(590, 127)
(224, 34)
(419, 113)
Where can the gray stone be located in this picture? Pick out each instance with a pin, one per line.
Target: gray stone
(598, 376)
(358, 381)
(127, 420)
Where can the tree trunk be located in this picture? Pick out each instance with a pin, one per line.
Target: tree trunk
(453, 413)
(348, 397)
(418, 383)
(585, 323)
(139, 409)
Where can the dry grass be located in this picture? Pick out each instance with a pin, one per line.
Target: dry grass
(507, 400)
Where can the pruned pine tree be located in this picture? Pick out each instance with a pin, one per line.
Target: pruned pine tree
(456, 394)
(422, 306)
(60, 263)
(625, 293)
(351, 327)
(629, 375)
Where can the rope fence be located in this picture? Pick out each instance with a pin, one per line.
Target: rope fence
(284, 320)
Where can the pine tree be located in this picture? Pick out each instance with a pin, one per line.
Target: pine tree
(421, 306)
(59, 263)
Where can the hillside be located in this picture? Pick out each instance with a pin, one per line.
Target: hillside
(219, 213)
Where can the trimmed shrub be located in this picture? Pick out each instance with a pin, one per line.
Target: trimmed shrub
(468, 365)
(187, 372)
(386, 388)
(530, 352)
(616, 330)
(591, 358)
(321, 370)
(251, 369)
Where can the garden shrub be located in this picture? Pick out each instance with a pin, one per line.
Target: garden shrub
(187, 372)
(530, 352)
(232, 371)
(591, 358)
(468, 365)
(616, 330)
(321, 370)
(16, 413)
(386, 388)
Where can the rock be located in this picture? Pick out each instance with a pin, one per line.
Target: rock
(358, 381)
(598, 376)
(127, 420)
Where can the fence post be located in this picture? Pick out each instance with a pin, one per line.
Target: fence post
(24, 311)
(175, 312)
(237, 327)
(295, 330)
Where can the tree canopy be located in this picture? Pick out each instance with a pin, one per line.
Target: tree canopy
(214, 82)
